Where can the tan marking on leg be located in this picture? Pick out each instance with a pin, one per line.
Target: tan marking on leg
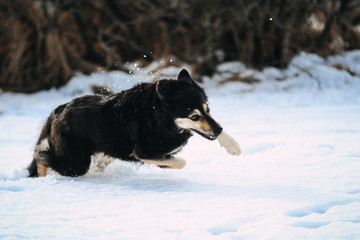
(41, 170)
(173, 163)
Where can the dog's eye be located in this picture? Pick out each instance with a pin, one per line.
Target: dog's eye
(195, 118)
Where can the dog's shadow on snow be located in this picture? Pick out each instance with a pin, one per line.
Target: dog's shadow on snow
(131, 176)
(140, 177)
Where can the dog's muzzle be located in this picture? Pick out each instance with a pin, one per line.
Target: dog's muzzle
(210, 135)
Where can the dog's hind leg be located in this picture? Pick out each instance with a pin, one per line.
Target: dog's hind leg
(38, 166)
(42, 161)
(33, 171)
(172, 162)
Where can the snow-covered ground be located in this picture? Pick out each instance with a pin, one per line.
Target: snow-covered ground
(297, 178)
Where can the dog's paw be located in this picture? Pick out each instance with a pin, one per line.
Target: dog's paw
(230, 144)
(172, 163)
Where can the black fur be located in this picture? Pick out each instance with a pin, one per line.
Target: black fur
(136, 123)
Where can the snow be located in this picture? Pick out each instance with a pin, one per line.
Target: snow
(297, 178)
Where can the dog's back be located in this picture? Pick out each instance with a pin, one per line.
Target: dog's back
(78, 129)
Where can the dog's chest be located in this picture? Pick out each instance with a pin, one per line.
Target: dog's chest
(176, 143)
(176, 149)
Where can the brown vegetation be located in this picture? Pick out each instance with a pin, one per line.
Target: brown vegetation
(44, 42)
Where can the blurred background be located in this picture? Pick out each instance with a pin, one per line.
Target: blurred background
(43, 43)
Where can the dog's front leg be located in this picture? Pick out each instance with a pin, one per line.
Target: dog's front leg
(162, 160)
(172, 162)
(230, 144)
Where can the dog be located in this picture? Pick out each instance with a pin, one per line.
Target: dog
(148, 123)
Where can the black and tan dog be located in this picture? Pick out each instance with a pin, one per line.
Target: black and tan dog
(149, 123)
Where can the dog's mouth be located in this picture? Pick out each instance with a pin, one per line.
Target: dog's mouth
(207, 136)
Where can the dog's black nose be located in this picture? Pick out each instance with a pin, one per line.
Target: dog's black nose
(218, 130)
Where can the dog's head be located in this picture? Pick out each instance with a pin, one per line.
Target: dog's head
(187, 103)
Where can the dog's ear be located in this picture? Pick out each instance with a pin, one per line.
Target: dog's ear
(157, 87)
(185, 76)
